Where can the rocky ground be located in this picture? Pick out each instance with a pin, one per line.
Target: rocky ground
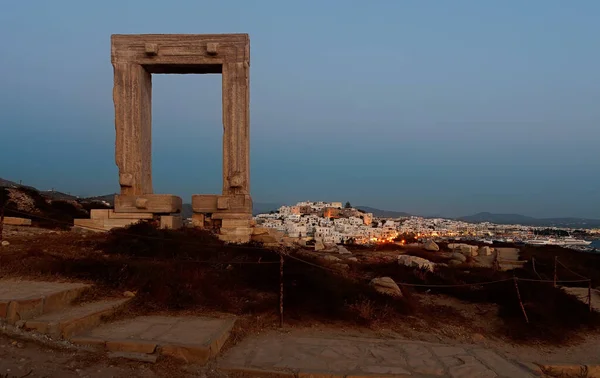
(325, 300)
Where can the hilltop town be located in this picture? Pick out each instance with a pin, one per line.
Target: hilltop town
(331, 222)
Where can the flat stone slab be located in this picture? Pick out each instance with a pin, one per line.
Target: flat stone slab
(191, 339)
(299, 354)
(75, 319)
(23, 299)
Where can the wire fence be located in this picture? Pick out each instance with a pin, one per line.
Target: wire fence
(285, 254)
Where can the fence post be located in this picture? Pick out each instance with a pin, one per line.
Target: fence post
(520, 301)
(2, 206)
(590, 294)
(555, 267)
(281, 289)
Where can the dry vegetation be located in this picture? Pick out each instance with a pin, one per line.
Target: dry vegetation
(190, 270)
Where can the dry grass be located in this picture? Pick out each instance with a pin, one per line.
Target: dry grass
(192, 271)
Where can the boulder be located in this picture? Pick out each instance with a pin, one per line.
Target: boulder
(430, 245)
(386, 285)
(353, 259)
(465, 249)
(330, 258)
(416, 262)
(455, 262)
(319, 246)
(343, 251)
(5, 243)
(485, 251)
(339, 266)
(459, 256)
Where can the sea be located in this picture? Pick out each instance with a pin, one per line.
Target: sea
(595, 244)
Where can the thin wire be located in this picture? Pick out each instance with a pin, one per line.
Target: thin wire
(534, 270)
(575, 273)
(294, 258)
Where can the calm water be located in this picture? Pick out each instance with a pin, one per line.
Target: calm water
(595, 243)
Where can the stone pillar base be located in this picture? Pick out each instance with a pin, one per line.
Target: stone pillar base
(102, 220)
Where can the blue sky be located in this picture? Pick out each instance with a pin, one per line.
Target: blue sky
(431, 107)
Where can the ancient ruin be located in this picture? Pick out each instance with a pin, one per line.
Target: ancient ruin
(135, 58)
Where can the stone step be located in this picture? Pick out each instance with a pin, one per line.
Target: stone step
(22, 299)
(75, 319)
(191, 339)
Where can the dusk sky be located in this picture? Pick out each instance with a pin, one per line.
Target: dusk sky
(429, 107)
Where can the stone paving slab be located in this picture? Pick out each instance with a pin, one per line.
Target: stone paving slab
(22, 299)
(294, 354)
(75, 319)
(191, 339)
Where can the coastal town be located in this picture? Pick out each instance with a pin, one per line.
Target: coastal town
(333, 222)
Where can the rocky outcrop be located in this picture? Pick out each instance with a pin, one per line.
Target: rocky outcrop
(430, 245)
(485, 251)
(416, 262)
(319, 246)
(459, 256)
(386, 285)
(329, 258)
(465, 249)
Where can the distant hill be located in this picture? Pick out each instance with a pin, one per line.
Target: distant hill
(530, 221)
(383, 213)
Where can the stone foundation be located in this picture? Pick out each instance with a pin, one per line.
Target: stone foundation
(107, 219)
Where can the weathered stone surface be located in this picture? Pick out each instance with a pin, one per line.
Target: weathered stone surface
(430, 245)
(327, 354)
(235, 239)
(319, 246)
(198, 220)
(459, 256)
(232, 223)
(171, 222)
(191, 339)
(22, 300)
(497, 363)
(485, 251)
(105, 224)
(466, 249)
(148, 203)
(416, 262)
(422, 360)
(329, 258)
(264, 238)
(15, 221)
(386, 285)
(72, 320)
(343, 251)
(471, 368)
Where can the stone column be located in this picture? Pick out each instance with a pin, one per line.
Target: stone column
(236, 128)
(132, 95)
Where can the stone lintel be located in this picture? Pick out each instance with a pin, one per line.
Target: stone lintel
(148, 203)
(213, 203)
(180, 53)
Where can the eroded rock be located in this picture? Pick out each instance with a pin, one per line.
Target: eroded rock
(386, 285)
(416, 262)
